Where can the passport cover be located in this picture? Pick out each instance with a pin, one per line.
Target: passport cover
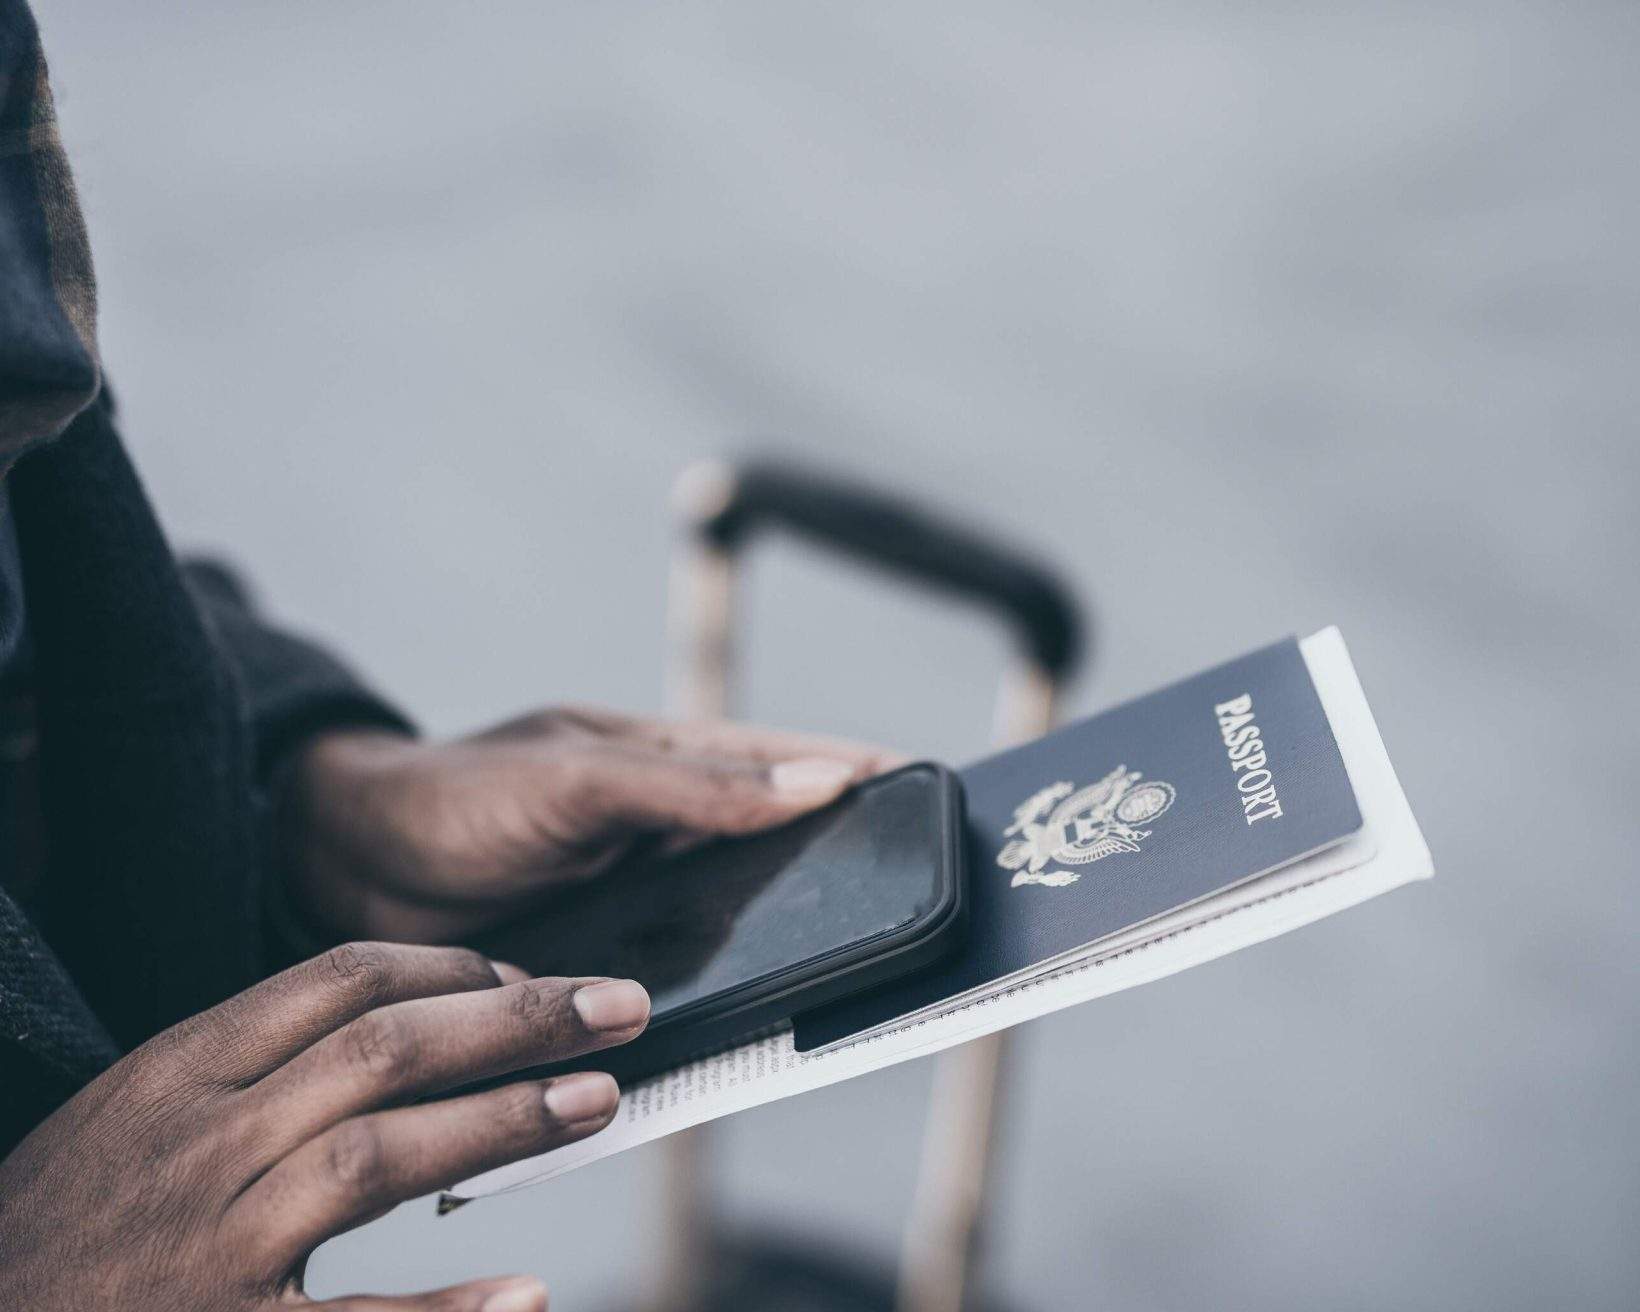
(1126, 816)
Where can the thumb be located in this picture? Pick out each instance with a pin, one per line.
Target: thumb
(513, 1294)
(810, 780)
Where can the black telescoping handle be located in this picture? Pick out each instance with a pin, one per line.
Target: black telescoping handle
(897, 535)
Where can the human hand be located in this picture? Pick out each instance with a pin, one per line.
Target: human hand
(389, 837)
(197, 1174)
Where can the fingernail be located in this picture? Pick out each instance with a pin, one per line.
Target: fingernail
(811, 776)
(585, 1096)
(615, 1004)
(524, 1296)
(508, 973)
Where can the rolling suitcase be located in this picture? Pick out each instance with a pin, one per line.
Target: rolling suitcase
(723, 511)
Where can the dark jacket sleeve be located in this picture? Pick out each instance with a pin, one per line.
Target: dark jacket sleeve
(292, 688)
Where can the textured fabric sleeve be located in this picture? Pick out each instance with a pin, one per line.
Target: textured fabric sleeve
(50, 1042)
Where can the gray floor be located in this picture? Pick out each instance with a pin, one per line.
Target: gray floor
(1256, 318)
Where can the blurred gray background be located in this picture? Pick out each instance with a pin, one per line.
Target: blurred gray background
(1254, 318)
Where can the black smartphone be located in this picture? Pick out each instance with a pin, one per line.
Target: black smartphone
(740, 934)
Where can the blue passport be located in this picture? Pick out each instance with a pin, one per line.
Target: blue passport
(1124, 817)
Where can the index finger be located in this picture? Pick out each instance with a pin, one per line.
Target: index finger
(410, 1049)
(255, 1032)
(748, 742)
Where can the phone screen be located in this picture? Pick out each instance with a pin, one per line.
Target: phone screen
(739, 910)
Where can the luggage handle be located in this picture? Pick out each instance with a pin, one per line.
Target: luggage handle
(729, 504)
(723, 506)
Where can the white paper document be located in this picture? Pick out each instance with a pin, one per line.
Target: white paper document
(1386, 852)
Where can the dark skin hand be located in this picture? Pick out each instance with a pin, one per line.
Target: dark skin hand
(198, 1174)
(391, 837)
